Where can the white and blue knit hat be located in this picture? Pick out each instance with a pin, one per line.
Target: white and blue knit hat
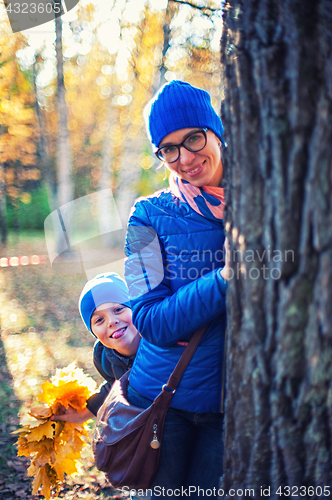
(108, 287)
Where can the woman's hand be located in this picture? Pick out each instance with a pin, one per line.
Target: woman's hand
(73, 416)
(225, 271)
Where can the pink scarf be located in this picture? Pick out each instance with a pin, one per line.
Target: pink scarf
(208, 201)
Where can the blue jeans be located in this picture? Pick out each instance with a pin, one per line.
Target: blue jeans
(191, 453)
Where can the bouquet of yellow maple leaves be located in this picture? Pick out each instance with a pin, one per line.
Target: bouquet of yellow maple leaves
(55, 446)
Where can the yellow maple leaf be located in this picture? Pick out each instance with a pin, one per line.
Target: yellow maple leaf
(67, 466)
(28, 422)
(59, 426)
(39, 479)
(72, 434)
(26, 448)
(31, 469)
(44, 457)
(44, 430)
(23, 430)
(45, 478)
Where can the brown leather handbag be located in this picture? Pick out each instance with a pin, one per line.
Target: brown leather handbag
(127, 440)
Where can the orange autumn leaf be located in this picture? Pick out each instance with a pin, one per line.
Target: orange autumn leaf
(40, 412)
(68, 465)
(66, 394)
(69, 387)
(69, 441)
(26, 448)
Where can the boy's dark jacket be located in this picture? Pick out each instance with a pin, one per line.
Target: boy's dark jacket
(111, 366)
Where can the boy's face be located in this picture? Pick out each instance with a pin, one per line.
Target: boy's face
(112, 324)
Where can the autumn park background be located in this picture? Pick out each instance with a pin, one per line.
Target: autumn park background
(71, 100)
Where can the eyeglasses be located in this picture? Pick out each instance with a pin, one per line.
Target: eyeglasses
(193, 142)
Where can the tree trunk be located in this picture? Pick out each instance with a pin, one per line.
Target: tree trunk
(130, 173)
(106, 179)
(277, 112)
(171, 9)
(64, 156)
(3, 210)
(42, 147)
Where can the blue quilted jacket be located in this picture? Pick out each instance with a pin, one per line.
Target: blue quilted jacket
(172, 270)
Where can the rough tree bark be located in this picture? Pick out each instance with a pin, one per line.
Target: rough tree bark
(277, 112)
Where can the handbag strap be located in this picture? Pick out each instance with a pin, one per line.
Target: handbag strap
(184, 361)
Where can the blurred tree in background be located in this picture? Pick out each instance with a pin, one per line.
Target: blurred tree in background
(107, 82)
(19, 173)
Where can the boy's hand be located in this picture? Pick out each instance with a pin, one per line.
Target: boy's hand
(74, 416)
(225, 271)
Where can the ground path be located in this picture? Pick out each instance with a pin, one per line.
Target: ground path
(40, 331)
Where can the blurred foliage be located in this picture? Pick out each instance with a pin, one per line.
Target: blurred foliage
(108, 82)
(17, 141)
(106, 91)
(30, 210)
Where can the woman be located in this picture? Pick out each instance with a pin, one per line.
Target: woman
(177, 278)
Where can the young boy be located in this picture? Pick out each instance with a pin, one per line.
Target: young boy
(104, 306)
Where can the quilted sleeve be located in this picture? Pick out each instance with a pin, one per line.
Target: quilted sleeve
(96, 400)
(163, 318)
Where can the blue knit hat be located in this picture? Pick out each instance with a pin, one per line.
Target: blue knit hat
(180, 105)
(108, 287)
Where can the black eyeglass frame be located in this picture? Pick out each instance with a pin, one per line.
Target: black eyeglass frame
(178, 146)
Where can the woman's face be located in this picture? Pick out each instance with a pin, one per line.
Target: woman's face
(203, 168)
